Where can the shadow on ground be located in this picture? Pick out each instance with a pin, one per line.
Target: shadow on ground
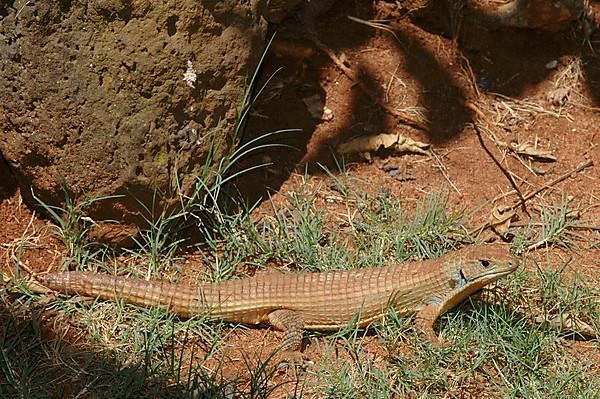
(36, 362)
(8, 184)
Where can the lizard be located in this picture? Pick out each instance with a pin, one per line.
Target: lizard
(323, 301)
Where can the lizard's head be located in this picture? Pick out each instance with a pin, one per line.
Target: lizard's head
(476, 267)
(483, 265)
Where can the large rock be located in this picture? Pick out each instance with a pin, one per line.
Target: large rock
(120, 96)
(538, 14)
(548, 15)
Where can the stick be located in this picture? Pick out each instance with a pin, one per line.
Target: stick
(578, 168)
(551, 183)
(444, 171)
(504, 171)
(512, 182)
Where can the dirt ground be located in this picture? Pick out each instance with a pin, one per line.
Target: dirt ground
(532, 86)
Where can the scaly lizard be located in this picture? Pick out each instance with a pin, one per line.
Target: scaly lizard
(314, 301)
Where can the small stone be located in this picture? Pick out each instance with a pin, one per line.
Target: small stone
(484, 82)
(388, 167)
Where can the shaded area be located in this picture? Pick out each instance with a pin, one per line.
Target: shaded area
(37, 362)
(505, 60)
(442, 95)
(8, 184)
(297, 69)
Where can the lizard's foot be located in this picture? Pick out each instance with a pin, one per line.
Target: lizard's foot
(293, 364)
(293, 359)
(439, 342)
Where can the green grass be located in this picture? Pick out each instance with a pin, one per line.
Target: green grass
(73, 226)
(74, 347)
(558, 224)
(358, 374)
(494, 351)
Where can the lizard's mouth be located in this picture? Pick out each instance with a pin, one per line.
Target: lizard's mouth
(491, 277)
(462, 279)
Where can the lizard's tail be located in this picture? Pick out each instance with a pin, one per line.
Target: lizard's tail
(182, 300)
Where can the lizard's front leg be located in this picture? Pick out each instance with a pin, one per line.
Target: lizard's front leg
(424, 320)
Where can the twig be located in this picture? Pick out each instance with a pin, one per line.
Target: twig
(444, 171)
(578, 168)
(574, 227)
(21, 9)
(544, 242)
(504, 171)
(474, 108)
(466, 67)
(532, 194)
(389, 86)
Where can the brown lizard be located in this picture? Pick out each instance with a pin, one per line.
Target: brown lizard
(314, 301)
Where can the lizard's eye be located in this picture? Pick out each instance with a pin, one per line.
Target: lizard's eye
(485, 263)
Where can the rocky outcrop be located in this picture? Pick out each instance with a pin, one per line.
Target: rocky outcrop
(121, 97)
(538, 14)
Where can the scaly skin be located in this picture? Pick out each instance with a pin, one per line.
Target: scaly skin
(315, 301)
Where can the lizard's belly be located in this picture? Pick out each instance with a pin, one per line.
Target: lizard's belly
(339, 315)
